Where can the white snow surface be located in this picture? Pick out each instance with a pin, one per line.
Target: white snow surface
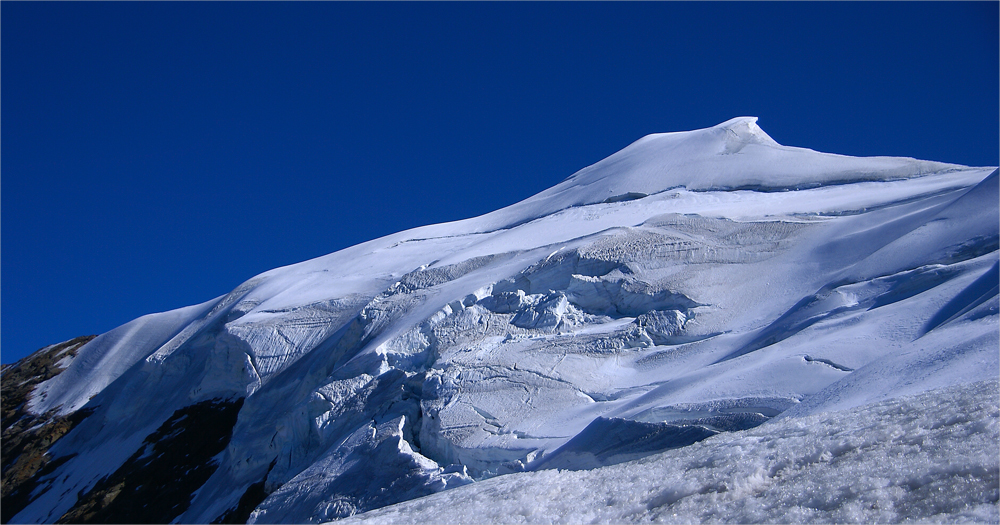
(710, 277)
(928, 458)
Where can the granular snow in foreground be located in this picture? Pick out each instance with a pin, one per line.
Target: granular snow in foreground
(931, 457)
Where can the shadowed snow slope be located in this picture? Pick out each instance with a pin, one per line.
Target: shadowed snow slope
(694, 284)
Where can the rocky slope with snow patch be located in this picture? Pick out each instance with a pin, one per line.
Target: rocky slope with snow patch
(693, 284)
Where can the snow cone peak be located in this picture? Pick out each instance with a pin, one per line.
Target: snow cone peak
(736, 154)
(740, 131)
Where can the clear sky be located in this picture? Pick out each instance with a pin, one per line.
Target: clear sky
(156, 155)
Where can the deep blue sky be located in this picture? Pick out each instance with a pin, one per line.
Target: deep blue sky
(156, 155)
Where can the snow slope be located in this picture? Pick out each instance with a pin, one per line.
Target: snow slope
(928, 458)
(693, 283)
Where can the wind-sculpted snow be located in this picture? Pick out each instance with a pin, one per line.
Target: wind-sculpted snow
(109, 356)
(930, 458)
(694, 284)
(734, 155)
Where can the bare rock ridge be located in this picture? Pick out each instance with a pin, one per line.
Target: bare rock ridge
(691, 287)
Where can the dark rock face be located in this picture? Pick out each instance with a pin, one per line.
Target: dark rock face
(156, 483)
(27, 437)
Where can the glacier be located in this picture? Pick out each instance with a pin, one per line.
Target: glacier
(698, 289)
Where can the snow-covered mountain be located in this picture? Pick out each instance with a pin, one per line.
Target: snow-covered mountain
(709, 286)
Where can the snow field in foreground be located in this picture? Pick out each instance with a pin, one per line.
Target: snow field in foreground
(932, 457)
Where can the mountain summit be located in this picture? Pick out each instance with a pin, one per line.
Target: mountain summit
(693, 290)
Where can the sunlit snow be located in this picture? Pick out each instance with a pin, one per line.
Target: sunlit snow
(694, 284)
(927, 458)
